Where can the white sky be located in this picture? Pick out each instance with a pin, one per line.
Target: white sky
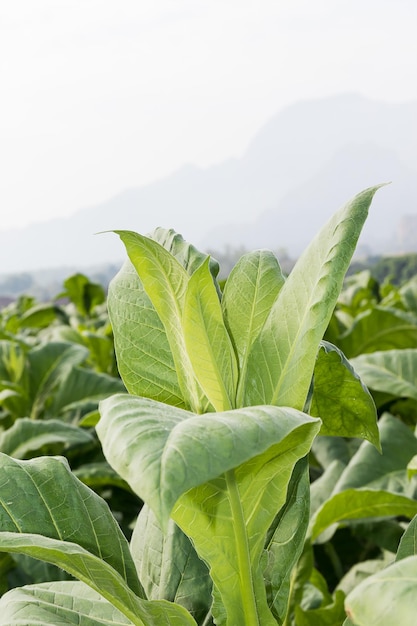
(100, 95)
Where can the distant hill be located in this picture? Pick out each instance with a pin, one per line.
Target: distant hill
(300, 167)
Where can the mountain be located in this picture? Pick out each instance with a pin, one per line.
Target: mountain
(299, 168)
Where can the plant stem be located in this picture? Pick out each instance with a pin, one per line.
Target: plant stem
(242, 550)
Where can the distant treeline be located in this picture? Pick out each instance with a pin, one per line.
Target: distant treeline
(393, 269)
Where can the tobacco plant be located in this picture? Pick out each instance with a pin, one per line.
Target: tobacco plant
(227, 393)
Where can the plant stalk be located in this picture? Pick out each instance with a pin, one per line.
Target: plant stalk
(242, 550)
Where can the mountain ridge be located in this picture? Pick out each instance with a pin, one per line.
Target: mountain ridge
(301, 166)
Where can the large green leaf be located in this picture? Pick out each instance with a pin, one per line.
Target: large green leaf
(84, 294)
(49, 364)
(282, 358)
(54, 495)
(285, 540)
(42, 315)
(340, 399)
(168, 565)
(144, 357)
(58, 604)
(390, 371)
(84, 385)
(332, 614)
(226, 475)
(408, 543)
(387, 471)
(99, 575)
(379, 329)
(186, 254)
(322, 488)
(355, 504)
(251, 289)
(207, 341)
(386, 598)
(26, 437)
(165, 281)
(88, 545)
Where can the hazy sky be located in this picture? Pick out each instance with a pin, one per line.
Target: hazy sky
(100, 95)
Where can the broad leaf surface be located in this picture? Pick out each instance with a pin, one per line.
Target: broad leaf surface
(285, 540)
(236, 509)
(329, 449)
(83, 384)
(173, 458)
(355, 504)
(251, 289)
(42, 315)
(344, 405)
(390, 371)
(408, 543)
(99, 575)
(386, 471)
(168, 565)
(322, 488)
(26, 437)
(165, 281)
(282, 358)
(49, 365)
(58, 604)
(330, 615)
(54, 495)
(379, 329)
(98, 475)
(386, 598)
(144, 356)
(164, 451)
(186, 254)
(207, 341)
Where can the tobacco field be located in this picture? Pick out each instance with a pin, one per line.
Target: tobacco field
(188, 451)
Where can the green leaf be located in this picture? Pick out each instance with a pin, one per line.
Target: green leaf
(49, 365)
(355, 504)
(343, 403)
(26, 437)
(99, 575)
(54, 494)
(408, 543)
(207, 341)
(164, 451)
(322, 488)
(379, 329)
(42, 315)
(412, 467)
(282, 358)
(144, 357)
(173, 458)
(82, 385)
(168, 565)
(58, 604)
(390, 371)
(84, 294)
(186, 254)
(285, 540)
(329, 449)
(98, 475)
(251, 289)
(388, 597)
(165, 282)
(386, 471)
(330, 615)
(362, 570)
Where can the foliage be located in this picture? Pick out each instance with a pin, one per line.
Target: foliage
(241, 431)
